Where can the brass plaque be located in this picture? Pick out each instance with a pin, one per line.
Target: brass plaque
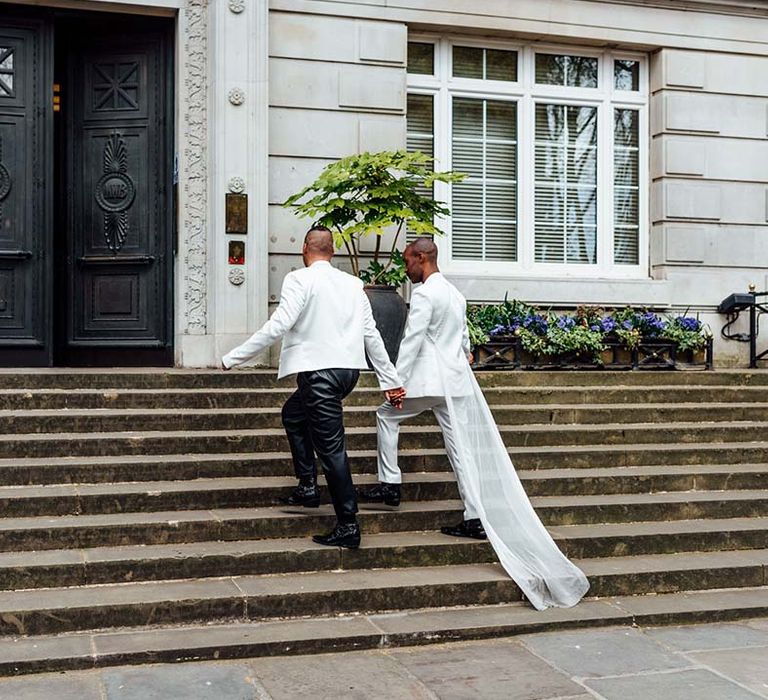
(236, 213)
(237, 252)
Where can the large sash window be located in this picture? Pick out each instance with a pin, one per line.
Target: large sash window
(554, 144)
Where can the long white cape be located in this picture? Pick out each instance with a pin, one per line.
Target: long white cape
(524, 547)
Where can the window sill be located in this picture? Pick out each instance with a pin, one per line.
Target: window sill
(560, 291)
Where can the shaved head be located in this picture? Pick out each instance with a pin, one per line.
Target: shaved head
(318, 243)
(426, 246)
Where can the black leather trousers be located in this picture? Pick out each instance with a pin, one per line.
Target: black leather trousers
(314, 422)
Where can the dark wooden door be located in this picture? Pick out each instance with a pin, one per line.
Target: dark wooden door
(115, 277)
(25, 193)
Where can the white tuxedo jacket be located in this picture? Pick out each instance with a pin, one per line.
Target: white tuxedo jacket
(436, 333)
(325, 320)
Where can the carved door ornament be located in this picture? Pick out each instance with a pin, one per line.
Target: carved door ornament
(5, 179)
(115, 192)
(6, 72)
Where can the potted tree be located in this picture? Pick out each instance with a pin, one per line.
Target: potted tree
(375, 194)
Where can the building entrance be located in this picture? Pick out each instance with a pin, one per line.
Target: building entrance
(86, 198)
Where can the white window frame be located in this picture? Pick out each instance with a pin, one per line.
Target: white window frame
(527, 93)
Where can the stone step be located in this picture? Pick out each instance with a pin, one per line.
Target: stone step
(411, 437)
(204, 559)
(239, 397)
(149, 467)
(169, 378)
(233, 419)
(175, 526)
(235, 640)
(241, 492)
(55, 610)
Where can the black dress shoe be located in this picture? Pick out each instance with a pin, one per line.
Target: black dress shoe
(307, 496)
(343, 535)
(466, 528)
(388, 494)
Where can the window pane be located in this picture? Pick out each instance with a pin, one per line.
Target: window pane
(571, 71)
(501, 65)
(626, 75)
(467, 62)
(484, 206)
(565, 201)
(421, 58)
(420, 122)
(626, 187)
(488, 64)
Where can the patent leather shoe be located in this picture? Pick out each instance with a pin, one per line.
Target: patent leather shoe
(343, 535)
(466, 528)
(303, 495)
(389, 494)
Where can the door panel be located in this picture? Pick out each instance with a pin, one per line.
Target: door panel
(25, 169)
(118, 223)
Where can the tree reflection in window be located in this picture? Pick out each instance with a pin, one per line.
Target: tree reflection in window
(565, 226)
(6, 72)
(570, 71)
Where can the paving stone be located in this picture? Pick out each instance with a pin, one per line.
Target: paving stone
(359, 676)
(52, 686)
(683, 685)
(712, 636)
(747, 666)
(486, 671)
(180, 682)
(603, 652)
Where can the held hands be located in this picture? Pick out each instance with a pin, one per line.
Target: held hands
(395, 396)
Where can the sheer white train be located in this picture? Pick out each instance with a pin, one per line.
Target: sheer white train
(524, 547)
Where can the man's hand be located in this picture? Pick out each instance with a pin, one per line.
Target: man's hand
(471, 358)
(395, 396)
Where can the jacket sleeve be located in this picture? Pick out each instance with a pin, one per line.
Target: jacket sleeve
(465, 346)
(293, 297)
(419, 317)
(374, 346)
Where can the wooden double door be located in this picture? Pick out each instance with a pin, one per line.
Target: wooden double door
(86, 190)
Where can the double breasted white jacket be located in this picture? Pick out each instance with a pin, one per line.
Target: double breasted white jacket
(325, 320)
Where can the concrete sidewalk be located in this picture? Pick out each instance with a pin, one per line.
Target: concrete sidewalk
(723, 661)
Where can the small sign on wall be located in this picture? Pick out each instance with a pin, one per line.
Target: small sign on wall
(237, 252)
(236, 206)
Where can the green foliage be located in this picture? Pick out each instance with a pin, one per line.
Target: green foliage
(578, 339)
(394, 275)
(366, 194)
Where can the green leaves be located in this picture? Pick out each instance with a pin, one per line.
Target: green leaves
(368, 193)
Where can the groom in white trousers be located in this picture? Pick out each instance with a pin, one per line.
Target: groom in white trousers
(433, 356)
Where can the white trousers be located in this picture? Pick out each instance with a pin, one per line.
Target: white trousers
(388, 421)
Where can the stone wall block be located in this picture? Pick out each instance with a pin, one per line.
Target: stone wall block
(366, 87)
(381, 134)
(315, 37)
(288, 175)
(381, 42)
(686, 112)
(685, 157)
(683, 200)
(685, 244)
(686, 69)
(312, 134)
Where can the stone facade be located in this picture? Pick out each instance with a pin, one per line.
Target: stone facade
(270, 92)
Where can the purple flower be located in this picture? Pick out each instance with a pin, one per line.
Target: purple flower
(565, 322)
(627, 324)
(607, 324)
(688, 323)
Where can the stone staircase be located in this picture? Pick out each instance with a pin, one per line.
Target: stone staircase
(139, 519)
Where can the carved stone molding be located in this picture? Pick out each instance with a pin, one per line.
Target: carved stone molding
(236, 6)
(236, 96)
(195, 174)
(236, 185)
(236, 276)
